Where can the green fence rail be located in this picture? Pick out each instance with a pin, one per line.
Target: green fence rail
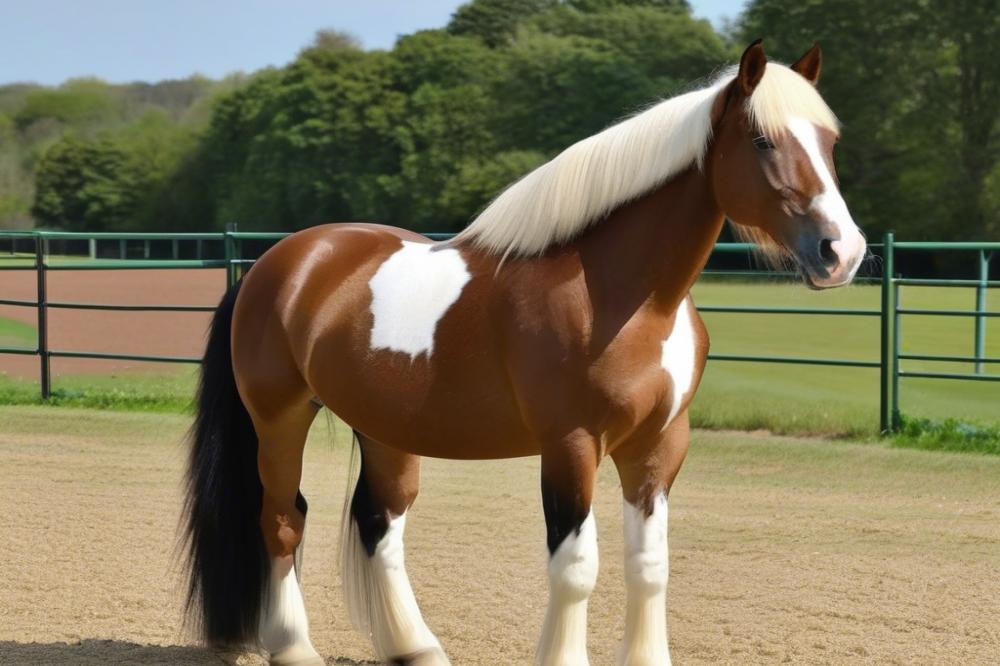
(30, 251)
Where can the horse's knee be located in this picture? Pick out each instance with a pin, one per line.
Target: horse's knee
(282, 525)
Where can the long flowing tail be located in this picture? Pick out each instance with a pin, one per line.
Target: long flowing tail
(227, 562)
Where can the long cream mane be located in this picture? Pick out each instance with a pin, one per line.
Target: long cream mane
(591, 178)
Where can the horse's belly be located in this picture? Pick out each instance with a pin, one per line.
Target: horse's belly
(405, 406)
(451, 401)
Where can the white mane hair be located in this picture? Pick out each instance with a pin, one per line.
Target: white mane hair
(591, 178)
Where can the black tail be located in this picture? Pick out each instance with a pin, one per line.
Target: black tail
(229, 567)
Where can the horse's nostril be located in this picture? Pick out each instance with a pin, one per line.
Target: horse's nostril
(827, 253)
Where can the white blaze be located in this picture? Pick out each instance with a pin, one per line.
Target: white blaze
(411, 291)
(678, 357)
(572, 576)
(646, 574)
(829, 203)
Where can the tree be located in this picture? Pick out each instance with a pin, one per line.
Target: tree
(606, 5)
(82, 103)
(495, 22)
(559, 90)
(971, 31)
(670, 46)
(82, 186)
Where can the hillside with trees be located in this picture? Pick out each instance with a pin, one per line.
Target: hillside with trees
(423, 135)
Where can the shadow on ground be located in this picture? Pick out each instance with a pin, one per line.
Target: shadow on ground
(114, 653)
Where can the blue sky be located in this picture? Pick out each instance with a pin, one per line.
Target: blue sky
(49, 41)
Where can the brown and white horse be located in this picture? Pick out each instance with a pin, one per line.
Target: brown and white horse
(557, 324)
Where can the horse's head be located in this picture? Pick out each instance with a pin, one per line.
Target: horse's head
(771, 165)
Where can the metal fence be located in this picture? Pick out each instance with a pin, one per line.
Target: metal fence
(32, 251)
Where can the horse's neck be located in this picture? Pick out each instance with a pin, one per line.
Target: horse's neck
(652, 249)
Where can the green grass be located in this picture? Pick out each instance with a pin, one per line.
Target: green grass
(16, 334)
(948, 435)
(795, 399)
(171, 392)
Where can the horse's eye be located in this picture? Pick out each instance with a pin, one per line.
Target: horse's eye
(762, 143)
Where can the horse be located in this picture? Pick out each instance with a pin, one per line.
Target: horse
(557, 324)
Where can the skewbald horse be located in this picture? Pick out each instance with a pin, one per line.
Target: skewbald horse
(557, 324)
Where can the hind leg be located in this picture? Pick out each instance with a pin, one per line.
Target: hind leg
(376, 587)
(284, 628)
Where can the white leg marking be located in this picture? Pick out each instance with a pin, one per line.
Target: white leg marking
(572, 576)
(284, 628)
(646, 574)
(678, 358)
(379, 597)
(411, 291)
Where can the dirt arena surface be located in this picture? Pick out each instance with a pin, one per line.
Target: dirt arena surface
(782, 551)
(161, 333)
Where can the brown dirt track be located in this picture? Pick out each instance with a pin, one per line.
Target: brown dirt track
(167, 333)
(782, 551)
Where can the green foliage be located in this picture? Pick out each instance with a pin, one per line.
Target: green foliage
(948, 435)
(478, 181)
(83, 186)
(605, 5)
(671, 48)
(563, 89)
(112, 183)
(84, 102)
(495, 22)
(104, 154)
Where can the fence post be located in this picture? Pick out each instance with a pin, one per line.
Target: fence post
(230, 253)
(984, 277)
(886, 367)
(43, 323)
(897, 328)
(92, 247)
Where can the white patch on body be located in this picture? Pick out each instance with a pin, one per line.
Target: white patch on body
(572, 576)
(411, 291)
(646, 575)
(678, 358)
(379, 597)
(284, 628)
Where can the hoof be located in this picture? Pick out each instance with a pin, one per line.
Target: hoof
(431, 657)
(297, 655)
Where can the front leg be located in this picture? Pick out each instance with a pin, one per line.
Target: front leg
(568, 470)
(647, 470)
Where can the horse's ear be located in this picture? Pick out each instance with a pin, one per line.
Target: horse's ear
(752, 65)
(810, 64)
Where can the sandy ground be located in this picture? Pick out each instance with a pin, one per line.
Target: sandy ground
(782, 551)
(163, 333)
